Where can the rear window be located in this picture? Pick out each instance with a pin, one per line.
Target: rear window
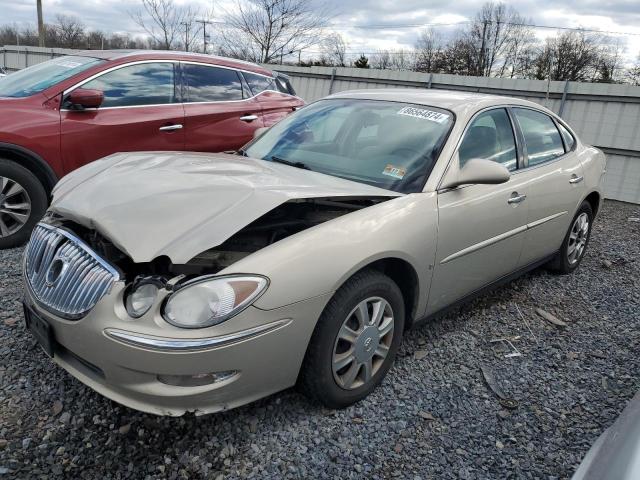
(569, 141)
(284, 85)
(541, 136)
(259, 83)
(37, 78)
(212, 84)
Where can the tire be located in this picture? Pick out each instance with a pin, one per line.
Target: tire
(565, 260)
(15, 178)
(318, 380)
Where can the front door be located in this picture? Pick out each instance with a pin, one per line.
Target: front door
(481, 228)
(141, 111)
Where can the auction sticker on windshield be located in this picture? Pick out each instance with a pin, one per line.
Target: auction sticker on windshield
(395, 172)
(424, 114)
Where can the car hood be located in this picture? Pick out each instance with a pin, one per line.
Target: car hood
(180, 204)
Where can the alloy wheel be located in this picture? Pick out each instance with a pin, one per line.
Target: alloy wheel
(578, 238)
(363, 343)
(15, 206)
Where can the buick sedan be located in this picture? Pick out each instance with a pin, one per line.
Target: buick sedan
(176, 282)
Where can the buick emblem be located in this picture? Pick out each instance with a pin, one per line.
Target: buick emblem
(57, 267)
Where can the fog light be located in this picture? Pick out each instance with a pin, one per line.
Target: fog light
(141, 295)
(197, 380)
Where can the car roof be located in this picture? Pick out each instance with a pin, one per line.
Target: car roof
(173, 55)
(455, 101)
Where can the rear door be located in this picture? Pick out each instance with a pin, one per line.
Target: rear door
(276, 103)
(141, 111)
(553, 175)
(219, 113)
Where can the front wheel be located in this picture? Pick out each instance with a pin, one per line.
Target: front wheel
(23, 202)
(575, 242)
(355, 341)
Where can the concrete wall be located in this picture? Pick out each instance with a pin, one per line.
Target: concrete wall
(604, 115)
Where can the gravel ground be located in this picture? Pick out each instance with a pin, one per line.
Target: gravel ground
(434, 416)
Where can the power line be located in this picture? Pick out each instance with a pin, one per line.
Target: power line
(389, 26)
(424, 25)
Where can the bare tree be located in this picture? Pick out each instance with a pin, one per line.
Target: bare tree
(495, 35)
(609, 63)
(458, 57)
(428, 50)
(269, 29)
(70, 31)
(334, 48)
(169, 24)
(570, 56)
(381, 60)
(9, 35)
(633, 74)
(403, 59)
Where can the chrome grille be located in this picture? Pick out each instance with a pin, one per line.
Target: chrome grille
(64, 274)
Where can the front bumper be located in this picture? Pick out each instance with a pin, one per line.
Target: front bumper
(121, 358)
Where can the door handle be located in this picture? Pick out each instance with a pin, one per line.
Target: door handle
(575, 179)
(516, 198)
(170, 128)
(248, 118)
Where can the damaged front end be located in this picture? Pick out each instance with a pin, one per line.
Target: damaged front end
(144, 280)
(283, 221)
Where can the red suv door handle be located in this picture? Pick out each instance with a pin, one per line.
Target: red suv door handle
(248, 118)
(170, 128)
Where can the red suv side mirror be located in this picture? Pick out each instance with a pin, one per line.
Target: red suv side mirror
(82, 98)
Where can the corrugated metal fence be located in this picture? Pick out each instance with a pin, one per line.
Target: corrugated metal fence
(604, 115)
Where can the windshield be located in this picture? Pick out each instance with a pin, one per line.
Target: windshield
(39, 77)
(390, 145)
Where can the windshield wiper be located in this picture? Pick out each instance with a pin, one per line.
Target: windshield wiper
(242, 152)
(291, 164)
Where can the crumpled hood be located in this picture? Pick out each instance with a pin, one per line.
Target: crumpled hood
(180, 204)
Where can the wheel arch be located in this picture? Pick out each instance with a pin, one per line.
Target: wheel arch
(405, 276)
(32, 162)
(594, 199)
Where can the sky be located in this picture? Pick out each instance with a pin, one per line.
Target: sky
(606, 15)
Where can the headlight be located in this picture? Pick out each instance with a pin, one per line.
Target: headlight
(141, 297)
(211, 300)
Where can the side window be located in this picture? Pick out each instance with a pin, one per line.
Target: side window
(490, 137)
(569, 141)
(540, 136)
(141, 84)
(259, 83)
(211, 84)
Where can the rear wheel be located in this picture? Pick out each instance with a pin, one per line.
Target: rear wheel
(575, 242)
(23, 202)
(355, 341)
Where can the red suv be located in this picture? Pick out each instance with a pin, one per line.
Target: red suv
(59, 115)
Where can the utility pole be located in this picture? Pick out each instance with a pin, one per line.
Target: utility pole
(40, 24)
(484, 34)
(186, 35)
(204, 33)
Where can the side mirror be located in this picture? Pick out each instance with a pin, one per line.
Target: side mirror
(259, 132)
(82, 98)
(478, 171)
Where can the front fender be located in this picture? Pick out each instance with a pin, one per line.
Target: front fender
(319, 260)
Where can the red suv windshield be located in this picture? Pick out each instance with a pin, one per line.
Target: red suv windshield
(39, 77)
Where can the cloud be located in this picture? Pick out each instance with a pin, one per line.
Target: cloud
(613, 15)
